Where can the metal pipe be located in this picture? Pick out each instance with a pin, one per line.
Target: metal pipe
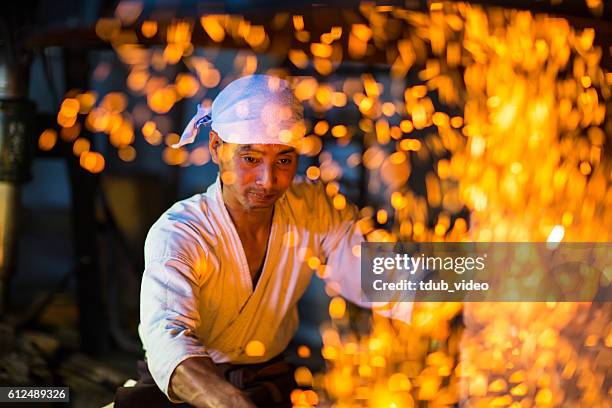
(9, 199)
(16, 115)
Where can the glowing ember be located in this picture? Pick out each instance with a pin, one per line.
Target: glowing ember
(525, 157)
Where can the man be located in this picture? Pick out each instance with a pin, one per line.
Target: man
(226, 268)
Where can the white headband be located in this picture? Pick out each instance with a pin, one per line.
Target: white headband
(255, 109)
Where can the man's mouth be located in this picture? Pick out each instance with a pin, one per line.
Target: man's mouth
(263, 196)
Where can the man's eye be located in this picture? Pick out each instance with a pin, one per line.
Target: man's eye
(285, 161)
(250, 159)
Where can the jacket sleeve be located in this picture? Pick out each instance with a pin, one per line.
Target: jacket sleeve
(340, 244)
(169, 300)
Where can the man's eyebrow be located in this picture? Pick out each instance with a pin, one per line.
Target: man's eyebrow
(248, 148)
(289, 150)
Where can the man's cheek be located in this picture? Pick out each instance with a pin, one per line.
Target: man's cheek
(286, 180)
(237, 168)
(245, 175)
(289, 176)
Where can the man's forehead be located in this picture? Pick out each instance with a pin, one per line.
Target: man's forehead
(265, 148)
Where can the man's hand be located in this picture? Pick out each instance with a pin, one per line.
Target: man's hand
(197, 382)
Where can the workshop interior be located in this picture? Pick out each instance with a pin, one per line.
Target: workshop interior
(442, 121)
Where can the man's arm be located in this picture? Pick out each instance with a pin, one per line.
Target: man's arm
(197, 382)
(342, 234)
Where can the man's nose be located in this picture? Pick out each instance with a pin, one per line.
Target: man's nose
(266, 178)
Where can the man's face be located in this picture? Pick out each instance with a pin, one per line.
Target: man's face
(261, 172)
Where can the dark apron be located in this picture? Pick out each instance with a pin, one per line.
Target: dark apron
(268, 385)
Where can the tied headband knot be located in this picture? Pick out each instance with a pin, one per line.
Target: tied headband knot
(202, 117)
(204, 120)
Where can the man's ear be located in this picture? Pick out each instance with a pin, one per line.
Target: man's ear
(214, 145)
